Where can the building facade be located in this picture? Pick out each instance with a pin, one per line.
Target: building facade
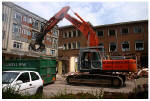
(129, 39)
(19, 28)
(70, 41)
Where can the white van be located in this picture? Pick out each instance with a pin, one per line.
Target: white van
(23, 82)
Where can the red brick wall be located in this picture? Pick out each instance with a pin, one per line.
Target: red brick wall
(131, 37)
(62, 41)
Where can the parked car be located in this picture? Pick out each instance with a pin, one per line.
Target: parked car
(45, 67)
(22, 82)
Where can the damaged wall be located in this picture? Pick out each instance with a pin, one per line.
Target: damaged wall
(130, 38)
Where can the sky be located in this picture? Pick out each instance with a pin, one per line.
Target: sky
(97, 13)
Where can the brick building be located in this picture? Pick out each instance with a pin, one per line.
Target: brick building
(19, 27)
(129, 39)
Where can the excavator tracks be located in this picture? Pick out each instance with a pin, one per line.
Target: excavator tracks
(97, 79)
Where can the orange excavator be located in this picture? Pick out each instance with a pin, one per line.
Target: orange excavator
(92, 66)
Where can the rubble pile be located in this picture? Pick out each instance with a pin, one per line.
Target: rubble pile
(131, 75)
(60, 77)
(142, 72)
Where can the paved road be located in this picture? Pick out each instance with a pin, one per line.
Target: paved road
(60, 86)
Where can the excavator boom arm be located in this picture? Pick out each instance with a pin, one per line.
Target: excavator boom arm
(85, 28)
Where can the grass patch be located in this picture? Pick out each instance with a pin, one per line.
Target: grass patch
(98, 94)
(11, 94)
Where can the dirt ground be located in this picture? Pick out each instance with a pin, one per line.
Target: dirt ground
(60, 86)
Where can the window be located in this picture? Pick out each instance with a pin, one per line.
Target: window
(17, 45)
(78, 45)
(125, 46)
(34, 76)
(33, 35)
(9, 77)
(35, 24)
(4, 17)
(124, 30)
(137, 29)
(112, 32)
(42, 24)
(24, 77)
(52, 52)
(29, 20)
(69, 45)
(24, 18)
(44, 51)
(18, 16)
(65, 46)
(16, 29)
(139, 45)
(73, 45)
(69, 34)
(112, 47)
(28, 32)
(55, 40)
(23, 31)
(78, 33)
(100, 33)
(55, 32)
(65, 35)
(48, 38)
(74, 33)
(3, 34)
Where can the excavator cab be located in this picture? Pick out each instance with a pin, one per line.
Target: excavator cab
(89, 60)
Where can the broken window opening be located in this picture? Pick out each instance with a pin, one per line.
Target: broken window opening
(112, 32)
(18, 16)
(125, 46)
(74, 33)
(112, 47)
(65, 46)
(79, 33)
(69, 34)
(100, 33)
(78, 45)
(124, 30)
(69, 45)
(139, 45)
(17, 45)
(73, 45)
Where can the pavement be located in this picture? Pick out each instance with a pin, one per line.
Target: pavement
(60, 86)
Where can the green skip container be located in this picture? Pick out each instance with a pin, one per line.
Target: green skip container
(45, 67)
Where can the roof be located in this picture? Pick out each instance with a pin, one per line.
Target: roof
(121, 23)
(115, 24)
